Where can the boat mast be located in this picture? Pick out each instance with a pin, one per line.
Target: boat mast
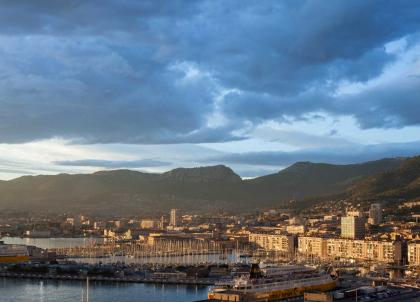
(87, 289)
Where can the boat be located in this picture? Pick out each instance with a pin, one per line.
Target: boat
(13, 253)
(273, 284)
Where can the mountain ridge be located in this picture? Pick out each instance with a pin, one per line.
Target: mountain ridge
(199, 188)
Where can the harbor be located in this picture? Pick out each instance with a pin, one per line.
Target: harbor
(197, 283)
(232, 263)
(186, 263)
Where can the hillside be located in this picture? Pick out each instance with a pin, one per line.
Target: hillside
(402, 182)
(306, 179)
(123, 190)
(202, 188)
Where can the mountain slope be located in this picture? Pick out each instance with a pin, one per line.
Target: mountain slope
(123, 190)
(305, 179)
(402, 182)
(202, 188)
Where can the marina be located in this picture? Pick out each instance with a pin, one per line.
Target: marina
(98, 250)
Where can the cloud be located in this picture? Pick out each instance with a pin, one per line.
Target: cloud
(113, 164)
(390, 106)
(150, 73)
(298, 139)
(344, 155)
(96, 97)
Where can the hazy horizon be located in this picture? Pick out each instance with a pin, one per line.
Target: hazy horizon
(110, 169)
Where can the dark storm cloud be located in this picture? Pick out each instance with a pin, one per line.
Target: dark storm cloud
(90, 17)
(395, 105)
(114, 164)
(344, 155)
(148, 71)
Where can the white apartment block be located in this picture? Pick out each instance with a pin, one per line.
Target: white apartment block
(369, 250)
(274, 242)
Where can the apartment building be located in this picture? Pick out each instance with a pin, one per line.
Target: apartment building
(414, 253)
(274, 242)
(295, 229)
(312, 246)
(381, 251)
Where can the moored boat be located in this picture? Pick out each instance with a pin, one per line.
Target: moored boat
(273, 285)
(13, 253)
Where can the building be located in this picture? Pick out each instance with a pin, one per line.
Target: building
(375, 214)
(386, 251)
(414, 253)
(274, 242)
(173, 218)
(99, 225)
(150, 224)
(295, 220)
(353, 227)
(174, 240)
(344, 248)
(312, 246)
(295, 229)
(355, 213)
(122, 223)
(410, 204)
(330, 218)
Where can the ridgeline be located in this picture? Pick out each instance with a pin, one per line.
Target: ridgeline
(209, 188)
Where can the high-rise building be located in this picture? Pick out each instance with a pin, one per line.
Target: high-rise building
(353, 227)
(375, 214)
(173, 219)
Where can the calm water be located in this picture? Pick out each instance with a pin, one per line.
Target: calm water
(18, 290)
(52, 242)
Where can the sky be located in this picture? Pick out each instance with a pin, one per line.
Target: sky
(256, 85)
